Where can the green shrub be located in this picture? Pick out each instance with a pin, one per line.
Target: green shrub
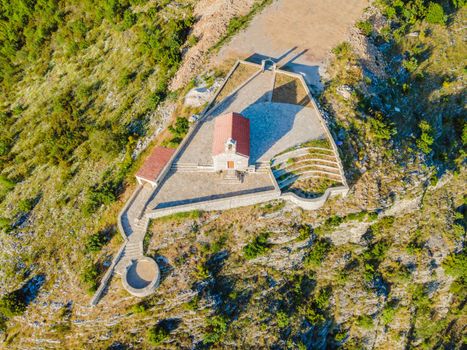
(435, 14)
(257, 247)
(5, 224)
(89, 276)
(318, 253)
(140, 308)
(129, 19)
(311, 315)
(6, 185)
(379, 129)
(157, 334)
(25, 205)
(342, 50)
(216, 329)
(426, 137)
(95, 243)
(365, 27)
(365, 322)
(387, 314)
(12, 304)
(340, 336)
(456, 265)
(282, 319)
(410, 65)
(304, 232)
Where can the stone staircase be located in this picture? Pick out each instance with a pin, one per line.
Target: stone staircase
(135, 229)
(262, 167)
(191, 167)
(232, 177)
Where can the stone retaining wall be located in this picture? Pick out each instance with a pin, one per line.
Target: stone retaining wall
(315, 203)
(322, 121)
(218, 204)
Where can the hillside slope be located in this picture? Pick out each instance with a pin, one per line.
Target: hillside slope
(84, 85)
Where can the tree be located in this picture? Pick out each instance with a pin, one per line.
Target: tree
(426, 139)
(12, 304)
(157, 334)
(435, 14)
(217, 327)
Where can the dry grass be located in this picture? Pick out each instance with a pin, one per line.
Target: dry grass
(289, 89)
(312, 186)
(238, 77)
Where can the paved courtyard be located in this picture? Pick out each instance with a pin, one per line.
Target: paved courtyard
(274, 127)
(190, 187)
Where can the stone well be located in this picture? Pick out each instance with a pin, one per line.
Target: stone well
(141, 277)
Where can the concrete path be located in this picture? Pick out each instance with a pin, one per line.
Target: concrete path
(135, 225)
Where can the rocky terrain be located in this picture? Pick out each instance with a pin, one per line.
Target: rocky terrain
(383, 268)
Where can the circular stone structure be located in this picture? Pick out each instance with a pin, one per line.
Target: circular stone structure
(141, 277)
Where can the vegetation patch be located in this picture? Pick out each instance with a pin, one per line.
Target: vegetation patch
(241, 74)
(258, 246)
(238, 23)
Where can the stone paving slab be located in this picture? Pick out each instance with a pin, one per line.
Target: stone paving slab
(274, 126)
(199, 151)
(183, 188)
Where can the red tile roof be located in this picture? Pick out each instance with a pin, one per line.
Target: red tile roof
(231, 126)
(154, 164)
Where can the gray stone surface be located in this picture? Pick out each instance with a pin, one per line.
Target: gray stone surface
(185, 187)
(274, 126)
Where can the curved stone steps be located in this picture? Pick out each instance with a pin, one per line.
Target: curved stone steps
(310, 161)
(304, 168)
(300, 152)
(306, 175)
(313, 174)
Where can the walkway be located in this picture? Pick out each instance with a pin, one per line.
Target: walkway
(134, 223)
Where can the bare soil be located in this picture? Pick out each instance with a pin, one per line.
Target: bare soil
(295, 30)
(239, 76)
(212, 16)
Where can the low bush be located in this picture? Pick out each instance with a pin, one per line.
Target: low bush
(304, 232)
(426, 137)
(157, 334)
(89, 276)
(318, 253)
(365, 321)
(216, 329)
(282, 319)
(388, 313)
(5, 224)
(365, 27)
(435, 14)
(257, 247)
(95, 242)
(342, 50)
(456, 265)
(12, 304)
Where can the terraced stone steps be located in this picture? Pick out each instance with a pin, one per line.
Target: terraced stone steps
(303, 176)
(191, 167)
(232, 177)
(325, 169)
